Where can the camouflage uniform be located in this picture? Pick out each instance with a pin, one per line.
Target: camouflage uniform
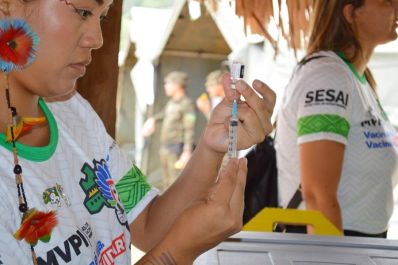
(176, 136)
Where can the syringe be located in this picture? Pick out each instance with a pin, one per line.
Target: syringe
(237, 71)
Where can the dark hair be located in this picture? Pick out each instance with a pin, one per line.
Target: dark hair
(329, 28)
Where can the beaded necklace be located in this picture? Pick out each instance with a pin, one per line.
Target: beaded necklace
(17, 51)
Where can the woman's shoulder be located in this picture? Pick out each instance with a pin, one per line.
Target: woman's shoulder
(323, 66)
(320, 62)
(321, 71)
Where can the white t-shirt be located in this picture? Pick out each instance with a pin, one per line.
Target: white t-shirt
(215, 101)
(85, 178)
(326, 100)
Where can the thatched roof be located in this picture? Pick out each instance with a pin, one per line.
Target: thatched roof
(289, 17)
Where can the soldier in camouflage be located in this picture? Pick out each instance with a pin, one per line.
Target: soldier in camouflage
(177, 132)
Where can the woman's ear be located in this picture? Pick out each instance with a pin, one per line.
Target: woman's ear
(349, 13)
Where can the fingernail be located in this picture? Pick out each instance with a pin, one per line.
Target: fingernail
(256, 84)
(234, 161)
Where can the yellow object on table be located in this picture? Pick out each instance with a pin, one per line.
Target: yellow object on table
(266, 219)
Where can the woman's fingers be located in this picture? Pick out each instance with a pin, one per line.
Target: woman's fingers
(262, 106)
(262, 102)
(226, 184)
(267, 94)
(254, 112)
(237, 198)
(230, 93)
(230, 188)
(251, 126)
(228, 196)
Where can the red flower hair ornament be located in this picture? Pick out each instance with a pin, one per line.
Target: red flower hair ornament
(17, 50)
(17, 45)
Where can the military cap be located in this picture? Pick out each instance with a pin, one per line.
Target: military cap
(177, 77)
(214, 78)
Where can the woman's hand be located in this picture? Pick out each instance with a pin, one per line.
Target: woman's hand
(205, 224)
(254, 116)
(149, 127)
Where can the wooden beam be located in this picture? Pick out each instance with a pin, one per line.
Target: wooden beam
(99, 85)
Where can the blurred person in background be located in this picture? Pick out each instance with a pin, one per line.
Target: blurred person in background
(213, 95)
(177, 131)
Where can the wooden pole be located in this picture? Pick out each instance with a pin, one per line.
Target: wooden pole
(99, 85)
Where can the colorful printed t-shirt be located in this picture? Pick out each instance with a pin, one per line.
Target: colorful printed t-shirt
(86, 179)
(326, 100)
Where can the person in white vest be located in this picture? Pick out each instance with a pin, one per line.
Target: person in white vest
(333, 136)
(68, 195)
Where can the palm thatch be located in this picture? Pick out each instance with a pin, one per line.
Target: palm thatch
(290, 17)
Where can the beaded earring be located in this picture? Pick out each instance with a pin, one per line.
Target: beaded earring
(17, 51)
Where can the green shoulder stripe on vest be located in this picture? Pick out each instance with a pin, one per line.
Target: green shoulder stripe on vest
(325, 123)
(132, 188)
